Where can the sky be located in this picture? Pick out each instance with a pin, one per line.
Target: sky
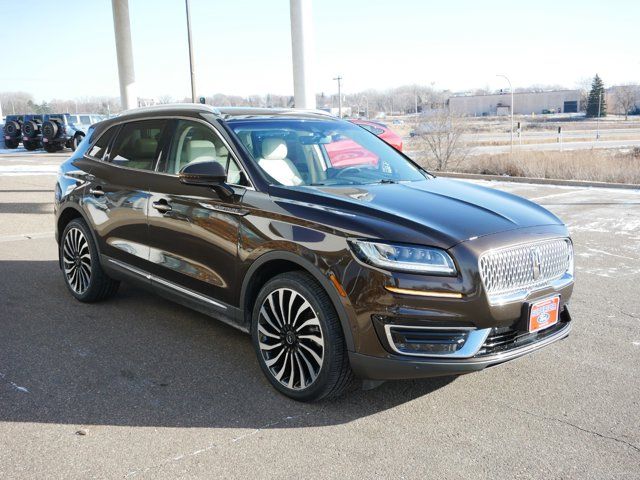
(243, 47)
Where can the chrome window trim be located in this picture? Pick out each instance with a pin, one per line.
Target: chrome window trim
(125, 120)
(473, 343)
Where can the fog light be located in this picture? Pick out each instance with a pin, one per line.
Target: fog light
(416, 340)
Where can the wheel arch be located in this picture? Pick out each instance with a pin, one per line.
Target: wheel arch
(66, 215)
(275, 262)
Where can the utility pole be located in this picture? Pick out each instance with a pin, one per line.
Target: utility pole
(510, 88)
(598, 119)
(124, 53)
(339, 80)
(193, 77)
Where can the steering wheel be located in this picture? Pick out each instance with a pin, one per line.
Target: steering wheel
(343, 171)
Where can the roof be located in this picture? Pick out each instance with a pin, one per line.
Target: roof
(224, 112)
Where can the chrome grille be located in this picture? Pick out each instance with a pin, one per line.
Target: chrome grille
(525, 267)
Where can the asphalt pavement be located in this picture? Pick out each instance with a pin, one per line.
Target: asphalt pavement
(138, 387)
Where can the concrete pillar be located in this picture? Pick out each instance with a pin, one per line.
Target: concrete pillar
(302, 52)
(124, 51)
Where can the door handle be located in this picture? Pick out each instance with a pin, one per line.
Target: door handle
(162, 206)
(96, 192)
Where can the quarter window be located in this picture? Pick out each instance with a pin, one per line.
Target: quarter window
(99, 151)
(139, 144)
(194, 142)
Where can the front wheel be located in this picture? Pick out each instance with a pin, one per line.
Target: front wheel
(80, 262)
(75, 141)
(298, 338)
(12, 144)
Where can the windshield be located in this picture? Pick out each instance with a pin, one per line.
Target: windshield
(322, 152)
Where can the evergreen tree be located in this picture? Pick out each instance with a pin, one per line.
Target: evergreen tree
(596, 95)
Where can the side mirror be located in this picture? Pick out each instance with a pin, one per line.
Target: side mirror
(207, 174)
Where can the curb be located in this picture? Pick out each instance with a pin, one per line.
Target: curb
(540, 181)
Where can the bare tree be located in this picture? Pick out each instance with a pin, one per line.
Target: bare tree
(164, 99)
(15, 102)
(626, 97)
(439, 134)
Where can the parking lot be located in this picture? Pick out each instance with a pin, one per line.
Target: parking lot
(139, 387)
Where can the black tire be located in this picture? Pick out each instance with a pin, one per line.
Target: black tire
(50, 129)
(12, 128)
(30, 145)
(75, 141)
(78, 253)
(286, 338)
(12, 143)
(30, 128)
(50, 147)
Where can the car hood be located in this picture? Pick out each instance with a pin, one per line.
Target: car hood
(446, 211)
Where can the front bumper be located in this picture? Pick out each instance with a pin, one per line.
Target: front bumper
(397, 367)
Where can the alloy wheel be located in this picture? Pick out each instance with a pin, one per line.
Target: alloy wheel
(76, 260)
(290, 338)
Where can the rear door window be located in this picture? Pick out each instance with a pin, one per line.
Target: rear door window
(139, 144)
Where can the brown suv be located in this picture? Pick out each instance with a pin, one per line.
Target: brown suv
(370, 268)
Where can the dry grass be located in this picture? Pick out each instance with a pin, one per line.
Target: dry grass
(592, 165)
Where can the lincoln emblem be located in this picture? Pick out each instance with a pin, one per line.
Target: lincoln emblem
(536, 262)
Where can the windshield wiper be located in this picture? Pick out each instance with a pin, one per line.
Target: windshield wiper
(387, 180)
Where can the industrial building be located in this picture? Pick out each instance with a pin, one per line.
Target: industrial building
(525, 103)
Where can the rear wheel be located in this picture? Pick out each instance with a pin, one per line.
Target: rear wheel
(12, 143)
(298, 338)
(30, 145)
(81, 267)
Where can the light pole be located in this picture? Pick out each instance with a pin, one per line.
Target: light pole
(339, 80)
(598, 119)
(510, 88)
(193, 77)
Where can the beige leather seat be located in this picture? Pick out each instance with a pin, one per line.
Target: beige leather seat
(197, 151)
(274, 161)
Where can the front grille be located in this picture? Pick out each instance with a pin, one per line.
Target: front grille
(525, 267)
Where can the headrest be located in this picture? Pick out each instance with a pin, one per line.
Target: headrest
(199, 148)
(222, 151)
(146, 147)
(274, 149)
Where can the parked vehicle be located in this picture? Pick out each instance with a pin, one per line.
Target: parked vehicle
(13, 130)
(32, 131)
(382, 131)
(380, 271)
(60, 130)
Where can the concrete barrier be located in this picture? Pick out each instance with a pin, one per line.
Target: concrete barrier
(539, 181)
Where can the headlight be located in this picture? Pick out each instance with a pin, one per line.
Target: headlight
(404, 258)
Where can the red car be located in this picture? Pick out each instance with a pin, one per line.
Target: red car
(382, 131)
(347, 153)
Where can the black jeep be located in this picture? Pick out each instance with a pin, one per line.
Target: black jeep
(13, 130)
(32, 132)
(59, 131)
